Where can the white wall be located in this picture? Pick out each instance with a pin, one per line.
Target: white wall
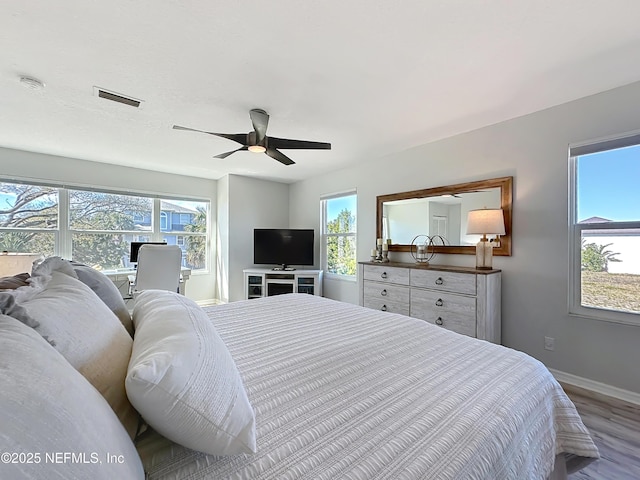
(534, 150)
(36, 167)
(222, 236)
(407, 220)
(252, 203)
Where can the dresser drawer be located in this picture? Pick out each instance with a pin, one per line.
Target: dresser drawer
(383, 291)
(440, 302)
(451, 322)
(388, 298)
(380, 273)
(453, 312)
(386, 306)
(447, 281)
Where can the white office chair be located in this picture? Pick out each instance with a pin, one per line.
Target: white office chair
(158, 268)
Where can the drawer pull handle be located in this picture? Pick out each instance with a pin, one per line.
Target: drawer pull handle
(384, 308)
(384, 292)
(439, 321)
(439, 302)
(439, 281)
(383, 274)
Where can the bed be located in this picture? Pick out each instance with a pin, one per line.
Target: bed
(286, 387)
(341, 391)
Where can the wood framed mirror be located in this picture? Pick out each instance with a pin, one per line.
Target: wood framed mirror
(443, 211)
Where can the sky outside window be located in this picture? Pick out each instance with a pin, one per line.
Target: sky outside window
(336, 205)
(609, 185)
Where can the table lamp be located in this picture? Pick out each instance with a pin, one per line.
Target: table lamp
(485, 222)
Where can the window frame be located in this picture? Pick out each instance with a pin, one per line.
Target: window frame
(575, 307)
(324, 235)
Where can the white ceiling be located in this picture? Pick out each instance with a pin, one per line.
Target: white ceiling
(372, 77)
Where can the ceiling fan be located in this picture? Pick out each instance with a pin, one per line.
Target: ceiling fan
(258, 142)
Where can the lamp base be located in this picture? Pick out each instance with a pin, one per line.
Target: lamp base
(484, 255)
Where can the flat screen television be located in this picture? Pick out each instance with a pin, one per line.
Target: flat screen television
(283, 247)
(135, 248)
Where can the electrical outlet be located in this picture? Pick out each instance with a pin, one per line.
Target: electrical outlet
(549, 343)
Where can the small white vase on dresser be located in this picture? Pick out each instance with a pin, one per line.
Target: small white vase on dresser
(461, 299)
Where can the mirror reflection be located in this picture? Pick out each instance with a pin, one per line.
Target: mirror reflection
(443, 215)
(443, 212)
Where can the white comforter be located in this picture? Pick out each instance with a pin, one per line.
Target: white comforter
(344, 392)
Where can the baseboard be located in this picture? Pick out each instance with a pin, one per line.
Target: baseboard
(209, 302)
(598, 387)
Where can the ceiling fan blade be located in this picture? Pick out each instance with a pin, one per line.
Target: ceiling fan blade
(260, 120)
(281, 157)
(226, 154)
(178, 127)
(240, 138)
(297, 144)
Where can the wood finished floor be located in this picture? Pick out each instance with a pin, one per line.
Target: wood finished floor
(615, 428)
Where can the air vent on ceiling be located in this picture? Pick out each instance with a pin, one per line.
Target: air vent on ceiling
(116, 97)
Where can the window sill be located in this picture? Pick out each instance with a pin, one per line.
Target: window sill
(342, 278)
(608, 316)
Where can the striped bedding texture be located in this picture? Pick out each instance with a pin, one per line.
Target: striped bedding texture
(345, 392)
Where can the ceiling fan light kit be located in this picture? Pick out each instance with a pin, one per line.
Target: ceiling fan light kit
(258, 142)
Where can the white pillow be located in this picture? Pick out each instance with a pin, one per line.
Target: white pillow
(84, 330)
(183, 380)
(49, 410)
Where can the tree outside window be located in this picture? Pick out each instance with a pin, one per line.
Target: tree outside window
(339, 231)
(102, 226)
(28, 218)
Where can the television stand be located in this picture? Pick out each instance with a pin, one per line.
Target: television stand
(266, 282)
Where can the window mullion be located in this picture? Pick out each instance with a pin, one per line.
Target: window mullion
(155, 221)
(64, 246)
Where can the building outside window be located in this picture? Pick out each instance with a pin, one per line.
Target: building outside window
(605, 230)
(101, 225)
(187, 228)
(185, 218)
(164, 221)
(339, 235)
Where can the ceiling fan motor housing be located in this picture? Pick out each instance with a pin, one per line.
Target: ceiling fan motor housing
(253, 140)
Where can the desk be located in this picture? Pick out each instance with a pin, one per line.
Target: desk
(120, 278)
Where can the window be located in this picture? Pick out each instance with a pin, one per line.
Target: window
(101, 225)
(189, 231)
(29, 218)
(164, 223)
(605, 230)
(339, 235)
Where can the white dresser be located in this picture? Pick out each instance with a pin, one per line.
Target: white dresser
(461, 299)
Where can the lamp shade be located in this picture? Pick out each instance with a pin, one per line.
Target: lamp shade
(486, 221)
(15, 263)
